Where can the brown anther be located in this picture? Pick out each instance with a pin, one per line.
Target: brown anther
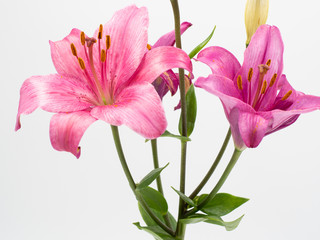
(73, 50)
(268, 62)
(264, 87)
(108, 41)
(83, 38)
(239, 82)
(287, 95)
(100, 31)
(81, 63)
(103, 55)
(250, 73)
(149, 46)
(273, 80)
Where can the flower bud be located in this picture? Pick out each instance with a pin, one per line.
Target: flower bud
(256, 14)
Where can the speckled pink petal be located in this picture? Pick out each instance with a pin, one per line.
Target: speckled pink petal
(67, 129)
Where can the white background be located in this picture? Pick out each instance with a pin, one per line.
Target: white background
(46, 194)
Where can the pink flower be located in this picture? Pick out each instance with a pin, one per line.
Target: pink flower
(257, 98)
(107, 77)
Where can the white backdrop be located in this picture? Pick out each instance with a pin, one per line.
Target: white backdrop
(46, 194)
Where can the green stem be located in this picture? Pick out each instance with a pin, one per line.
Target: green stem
(116, 138)
(213, 167)
(180, 226)
(233, 160)
(159, 183)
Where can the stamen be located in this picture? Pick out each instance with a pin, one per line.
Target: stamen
(268, 62)
(250, 73)
(103, 55)
(100, 31)
(287, 95)
(264, 87)
(83, 38)
(273, 80)
(149, 46)
(73, 50)
(239, 82)
(81, 62)
(108, 41)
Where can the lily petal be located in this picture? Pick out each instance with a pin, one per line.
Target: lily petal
(54, 93)
(138, 107)
(67, 129)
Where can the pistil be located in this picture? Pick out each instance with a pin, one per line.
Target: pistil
(263, 69)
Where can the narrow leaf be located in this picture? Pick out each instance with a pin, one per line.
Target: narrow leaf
(155, 231)
(185, 198)
(201, 45)
(150, 177)
(169, 134)
(228, 225)
(154, 199)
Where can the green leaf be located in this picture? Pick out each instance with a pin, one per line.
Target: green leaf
(155, 231)
(222, 204)
(201, 45)
(185, 198)
(228, 225)
(191, 107)
(169, 134)
(154, 199)
(150, 177)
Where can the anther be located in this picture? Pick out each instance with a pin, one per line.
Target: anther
(81, 63)
(250, 73)
(73, 50)
(273, 80)
(268, 62)
(108, 41)
(239, 82)
(264, 87)
(83, 38)
(149, 46)
(287, 95)
(100, 31)
(103, 55)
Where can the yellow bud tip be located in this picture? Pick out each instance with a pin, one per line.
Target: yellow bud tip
(269, 62)
(100, 31)
(239, 82)
(149, 46)
(103, 55)
(250, 73)
(81, 63)
(108, 41)
(83, 38)
(287, 95)
(73, 50)
(264, 87)
(273, 80)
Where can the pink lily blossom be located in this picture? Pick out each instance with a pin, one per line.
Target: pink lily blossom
(257, 98)
(106, 77)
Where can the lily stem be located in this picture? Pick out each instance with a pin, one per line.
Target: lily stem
(180, 231)
(154, 147)
(116, 138)
(223, 178)
(213, 167)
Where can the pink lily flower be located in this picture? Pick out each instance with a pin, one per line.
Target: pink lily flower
(107, 77)
(257, 98)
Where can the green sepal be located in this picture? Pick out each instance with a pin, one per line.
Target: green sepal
(155, 231)
(150, 177)
(191, 108)
(221, 204)
(185, 198)
(201, 45)
(169, 134)
(154, 199)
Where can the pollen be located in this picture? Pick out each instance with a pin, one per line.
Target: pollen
(264, 87)
(81, 63)
(287, 95)
(83, 38)
(250, 73)
(103, 55)
(100, 31)
(268, 62)
(149, 46)
(239, 82)
(73, 50)
(273, 80)
(108, 42)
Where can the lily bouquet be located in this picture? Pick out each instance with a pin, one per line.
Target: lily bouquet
(118, 77)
